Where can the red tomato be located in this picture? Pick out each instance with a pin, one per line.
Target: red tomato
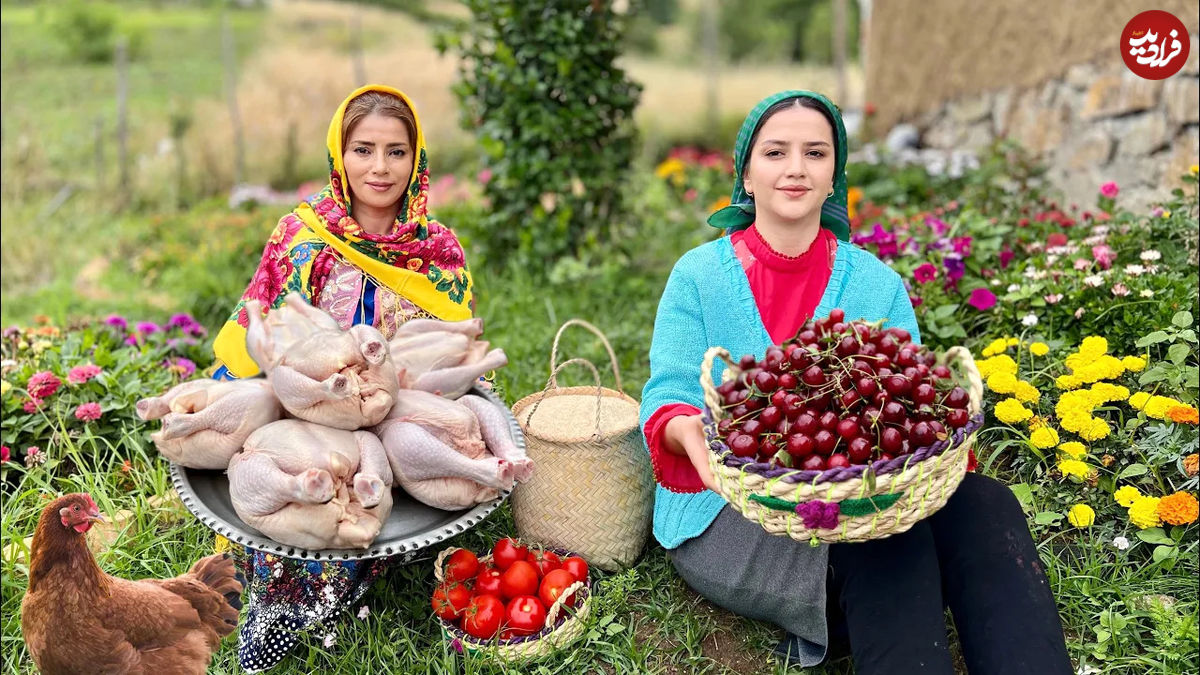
(553, 585)
(525, 615)
(488, 582)
(449, 600)
(544, 560)
(521, 578)
(507, 551)
(461, 565)
(483, 616)
(576, 566)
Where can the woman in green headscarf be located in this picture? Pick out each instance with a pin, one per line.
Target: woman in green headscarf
(785, 259)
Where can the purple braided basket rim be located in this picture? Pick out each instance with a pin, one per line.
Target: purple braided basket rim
(880, 467)
(581, 596)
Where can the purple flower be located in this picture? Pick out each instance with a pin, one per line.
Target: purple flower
(146, 327)
(962, 245)
(117, 321)
(132, 340)
(818, 515)
(939, 226)
(181, 321)
(982, 299)
(925, 273)
(12, 332)
(955, 267)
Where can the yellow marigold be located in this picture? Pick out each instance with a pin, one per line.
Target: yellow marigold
(1037, 422)
(1073, 449)
(1066, 382)
(1191, 464)
(1093, 346)
(1138, 401)
(670, 168)
(1096, 430)
(1012, 342)
(1081, 515)
(1134, 364)
(1144, 512)
(1027, 393)
(1075, 422)
(5, 387)
(1045, 437)
(1010, 411)
(1103, 392)
(1184, 414)
(997, 364)
(997, 346)
(1178, 509)
(1002, 383)
(1076, 361)
(1158, 406)
(1039, 349)
(1126, 495)
(1074, 467)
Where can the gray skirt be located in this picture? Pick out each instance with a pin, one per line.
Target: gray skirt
(735, 564)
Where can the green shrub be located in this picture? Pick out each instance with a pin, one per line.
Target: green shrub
(91, 30)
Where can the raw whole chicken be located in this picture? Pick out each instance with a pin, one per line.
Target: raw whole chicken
(341, 379)
(204, 422)
(306, 485)
(438, 454)
(494, 427)
(441, 357)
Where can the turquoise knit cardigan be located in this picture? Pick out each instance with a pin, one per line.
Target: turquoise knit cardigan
(708, 302)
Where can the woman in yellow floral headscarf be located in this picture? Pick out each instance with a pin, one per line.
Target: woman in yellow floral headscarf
(365, 250)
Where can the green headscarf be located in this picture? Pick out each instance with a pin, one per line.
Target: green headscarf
(740, 212)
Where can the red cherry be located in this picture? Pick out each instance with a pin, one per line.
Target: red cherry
(743, 445)
(847, 429)
(891, 440)
(886, 457)
(736, 396)
(849, 399)
(788, 381)
(907, 357)
(838, 461)
(901, 335)
(897, 385)
(754, 403)
(847, 346)
(939, 429)
(892, 412)
(766, 381)
(924, 394)
(771, 416)
(888, 346)
(800, 445)
(837, 315)
(793, 406)
(828, 420)
(859, 450)
(826, 441)
(922, 434)
(868, 349)
(957, 398)
(747, 362)
(806, 424)
(753, 427)
(813, 463)
(866, 387)
(779, 398)
(814, 376)
(957, 418)
(808, 336)
(724, 426)
(871, 415)
(941, 372)
(739, 411)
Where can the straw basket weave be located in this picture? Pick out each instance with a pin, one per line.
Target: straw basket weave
(870, 502)
(592, 488)
(564, 625)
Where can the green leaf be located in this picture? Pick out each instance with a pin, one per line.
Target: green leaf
(1178, 353)
(1189, 335)
(945, 311)
(1047, 518)
(1157, 374)
(1182, 319)
(1023, 494)
(1131, 471)
(1102, 635)
(1162, 553)
(1155, 535)
(1153, 339)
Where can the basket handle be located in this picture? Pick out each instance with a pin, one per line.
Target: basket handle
(552, 613)
(612, 357)
(438, 572)
(974, 382)
(553, 383)
(711, 397)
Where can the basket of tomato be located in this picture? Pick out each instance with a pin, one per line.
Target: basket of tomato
(848, 432)
(514, 604)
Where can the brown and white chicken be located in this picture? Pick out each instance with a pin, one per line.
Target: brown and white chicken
(77, 619)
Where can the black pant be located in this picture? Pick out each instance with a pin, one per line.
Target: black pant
(976, 557)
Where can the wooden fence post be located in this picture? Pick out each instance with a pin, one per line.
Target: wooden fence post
(122, 59)
(228, 48)
(839, 49)
(356, 48)
(99, 152)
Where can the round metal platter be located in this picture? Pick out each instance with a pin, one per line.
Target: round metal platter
(410, 528)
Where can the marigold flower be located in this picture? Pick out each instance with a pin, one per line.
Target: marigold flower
(1066, 382)
(1073, 449)
(1138, 401)
(1002, 383)
(1144, 512)
(1180, 508)
(1012, 342)
(1158, 406)
(1107, 459)
(1045, 437)
(1095, 431)
(1134, 364)
(1010, 411)
(1039, 349)
(5, 387)
(1093, 345)
(1126, 495)
(1074, 467)
(1081, 515)
(1191, 464)
(997, 364)
(1027, 393)
(1184, 414)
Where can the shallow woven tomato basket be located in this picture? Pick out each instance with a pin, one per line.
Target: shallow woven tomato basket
(564, 624)
(872, 501)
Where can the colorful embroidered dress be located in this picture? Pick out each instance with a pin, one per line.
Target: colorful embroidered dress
(318, 250)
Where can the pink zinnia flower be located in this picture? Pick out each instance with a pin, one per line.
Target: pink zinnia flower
(81, 374)
(1056, 239)
(5, 454)
(43, 384)
(925, 273)
(1006, 256)
(32, 405)
(916, 300)
(1052, 298)
(1082, 263)
(690, 195)
(1079, 313)
(1110, 190)
(982, 299)
(117, 321)
(88, 412)
(1120, 290)
(1104, 255)
(484, 176)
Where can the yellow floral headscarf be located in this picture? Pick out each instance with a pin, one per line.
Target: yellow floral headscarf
(420, 259)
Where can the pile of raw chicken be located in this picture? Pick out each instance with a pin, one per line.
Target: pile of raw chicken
(313, 449)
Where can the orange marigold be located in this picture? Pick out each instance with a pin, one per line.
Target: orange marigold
(1184, 414)
(1191, 464)
(1179, 509)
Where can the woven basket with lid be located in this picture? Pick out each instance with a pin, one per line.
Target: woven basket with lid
(592, 489)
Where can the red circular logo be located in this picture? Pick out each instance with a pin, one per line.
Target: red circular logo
(1155, 44)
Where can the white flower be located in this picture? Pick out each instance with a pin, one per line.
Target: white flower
(1051, 259)
(1095, 281)
(1085, 669)
(1080, 312)
(1029, 320)
(1053, 298)
(1013, 288)
(1057, 250)
(1135, 270)
(1150, 254)
(1082, 263)
(1152, 269)
(1120, 290)
(1120, 542)
(1099, 229)
(364, 612)
(1147, 293)
(330, 640)
(1095, 240)
(996, 282)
